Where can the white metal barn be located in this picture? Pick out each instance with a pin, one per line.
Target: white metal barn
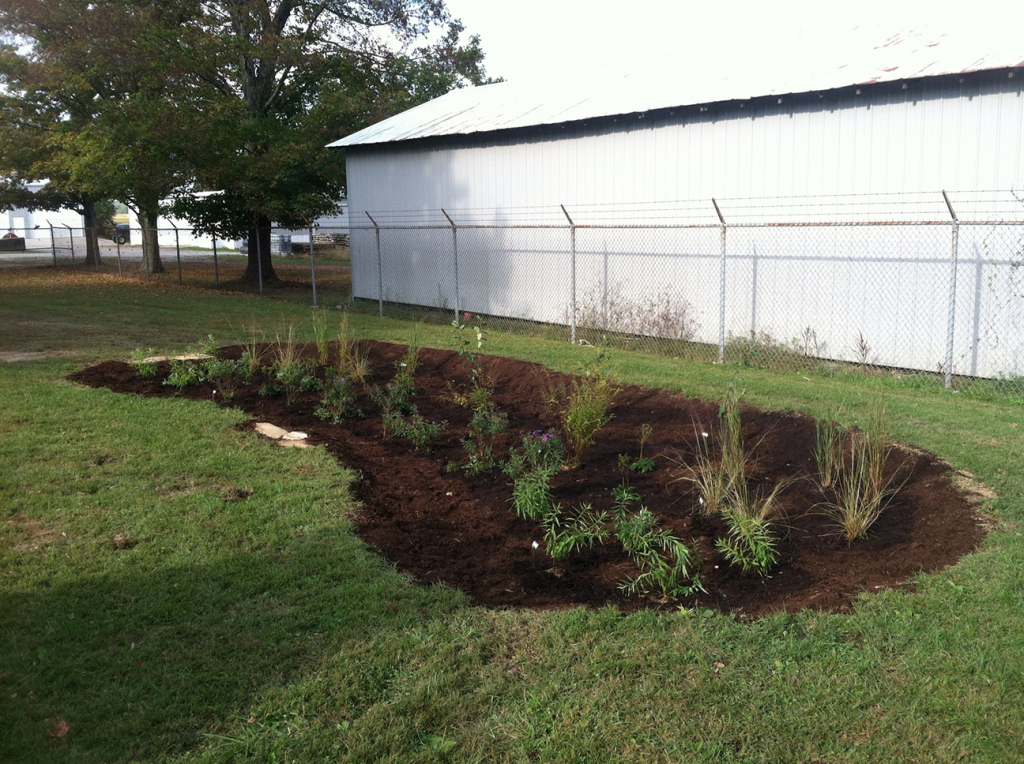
(636, 169)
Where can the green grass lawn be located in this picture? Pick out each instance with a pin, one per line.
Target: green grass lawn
(261, 629)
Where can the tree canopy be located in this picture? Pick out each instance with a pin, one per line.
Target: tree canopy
(133, 100)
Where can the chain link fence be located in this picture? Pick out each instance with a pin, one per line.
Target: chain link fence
(928, 287)
(899, 284)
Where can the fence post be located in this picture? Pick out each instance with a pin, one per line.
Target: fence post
(216, 268)
(53, 245)
(117, 241)
(455, 258)
(721, 291)
(96, 239)
(380, 269)
(951, 320)
(312, 263)
(71, 239)
(572, 269)
(177, 249)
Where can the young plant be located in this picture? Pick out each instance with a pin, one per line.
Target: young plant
(667, 565)
(540, 452)
(829, 437)
(734, 454)
(713, 482)
(353, 360)
(225, 375)
(286, 350)
(569, 532)
(319, 321)
(485, 425)
(140, 359)
(751, 543)
(643, 464)
(582, 409)
(531, 495)
(623, 498)
(422, 433)
(339, 402)
(295, 378)
(184, 373)
(862, 490)
(252, 348)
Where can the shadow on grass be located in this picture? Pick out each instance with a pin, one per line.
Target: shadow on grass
(151, 662)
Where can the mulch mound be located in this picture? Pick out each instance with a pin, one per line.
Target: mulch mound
(440, 526)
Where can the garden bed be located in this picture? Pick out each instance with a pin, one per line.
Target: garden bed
(433, 521)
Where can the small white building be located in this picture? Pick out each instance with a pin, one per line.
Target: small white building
(34, 226)
(637, 165)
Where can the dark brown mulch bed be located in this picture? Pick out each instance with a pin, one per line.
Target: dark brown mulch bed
(441, 526)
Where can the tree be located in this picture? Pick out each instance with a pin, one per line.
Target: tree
(279, 79)
(88, 101)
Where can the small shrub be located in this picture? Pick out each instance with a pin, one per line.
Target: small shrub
(422, 433)
(339, 402)
(295, 377)
(531, 495)
(140, 360)
(623, 498)
(184, 373)
(666, 564)
(226, 374)
(540, 452)
(271, 390)
(569, 532)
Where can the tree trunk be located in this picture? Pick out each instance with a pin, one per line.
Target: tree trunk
(259, 256)
(92, 245)
(150, 243)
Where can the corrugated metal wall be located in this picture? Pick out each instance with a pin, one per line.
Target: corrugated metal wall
(888, 284)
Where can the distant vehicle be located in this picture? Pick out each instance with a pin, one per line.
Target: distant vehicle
(122, 234)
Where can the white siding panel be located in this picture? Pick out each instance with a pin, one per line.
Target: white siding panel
(827, 285)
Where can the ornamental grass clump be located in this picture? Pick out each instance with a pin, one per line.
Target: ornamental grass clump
(582, 409)
(829, 437)
(141, 360)
(862, 490)
(318, 318)
(713, 482)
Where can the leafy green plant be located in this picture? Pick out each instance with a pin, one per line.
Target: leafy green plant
(140, 359)
(319, 321)
(667, 565)
(184, 373)
(540, 451)
(271, 390)
(829, 437)
(422, 433)
(623, 498)
(751, 543)
(340, 401)
(569, 532)
(226, 374)
(531, 495)
(295, 377)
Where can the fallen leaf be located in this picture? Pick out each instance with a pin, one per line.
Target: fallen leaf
(252, 720)
(59, 730)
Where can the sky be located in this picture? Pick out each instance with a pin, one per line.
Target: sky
(589, 41)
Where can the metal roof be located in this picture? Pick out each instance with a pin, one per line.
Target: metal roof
(503, 106)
